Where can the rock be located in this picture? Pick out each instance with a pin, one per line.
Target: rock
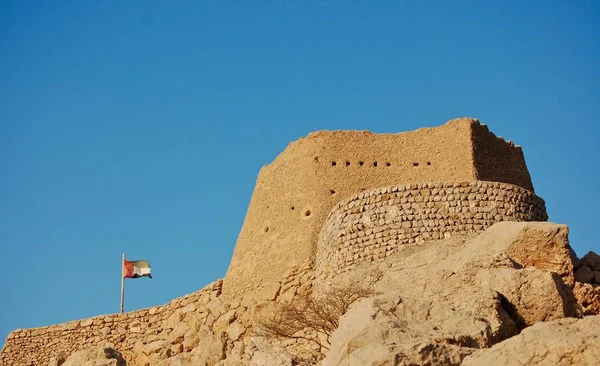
(559, 342)
(195, 320)
(235, 330)
(584, 274)
(267, 292)
(596, 277)
(187, 308)
(534, 295)
(588, 297)
(178, 360)
(56, 360)
(101, 355)
(236, 355)
(542, 245)
(177, 334)
(592, 260)
(436, 303)
(192, 338)
(215, 307)
(382, 332)
(210, 350)
(266, 353)
(87, 322)
(71, 325)
(224, 320)
(173, 320)
(469, 295)
(154, 347)
(175, 349)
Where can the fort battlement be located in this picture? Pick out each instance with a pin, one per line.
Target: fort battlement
(296, 192)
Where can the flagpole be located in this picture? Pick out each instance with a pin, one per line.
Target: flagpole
(122, 282)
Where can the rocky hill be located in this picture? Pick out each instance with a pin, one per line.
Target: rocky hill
(429, 270)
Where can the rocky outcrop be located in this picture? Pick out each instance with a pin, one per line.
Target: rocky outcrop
(588, 297)
(102, 354)
(444, 302)
(587, 286)
(562, 342)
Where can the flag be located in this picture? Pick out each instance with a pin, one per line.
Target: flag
(136, 269)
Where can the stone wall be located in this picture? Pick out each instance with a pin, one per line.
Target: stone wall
(37, 346)
(373, 224)
(294, 194)
(203, 323)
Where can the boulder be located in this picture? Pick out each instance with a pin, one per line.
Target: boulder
(584, 274)
(542, 245)
(442, 300)
(388, 331)
(562, 342)
(592, 260)
(101, 355)
(533, 295)
(588, 296)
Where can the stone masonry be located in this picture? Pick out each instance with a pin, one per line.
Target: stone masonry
(38, 345)
(374, 224)
(203, 320)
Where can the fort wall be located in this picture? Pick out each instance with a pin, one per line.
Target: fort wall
(37, 346)
(498, 160)
(199, 321)
(295, 193)
(374, 224)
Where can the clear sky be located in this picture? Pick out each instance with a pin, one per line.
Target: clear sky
(140, 126)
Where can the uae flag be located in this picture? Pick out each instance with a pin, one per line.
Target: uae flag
(136, 269)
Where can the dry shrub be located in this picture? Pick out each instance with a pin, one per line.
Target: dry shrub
(312, 319)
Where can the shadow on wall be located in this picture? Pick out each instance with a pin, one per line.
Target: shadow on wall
(111, 353)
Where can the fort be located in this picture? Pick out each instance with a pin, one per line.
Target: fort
(295, 194)
(330, 201)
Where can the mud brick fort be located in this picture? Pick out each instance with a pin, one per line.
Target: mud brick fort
(341, 197)
(330, 201)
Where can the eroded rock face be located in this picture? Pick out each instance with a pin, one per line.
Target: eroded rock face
(384, 331)
(561, 342)
(442, 301)
(542, 245)
(588, 296)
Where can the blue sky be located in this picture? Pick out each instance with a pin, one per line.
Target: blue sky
(140, 127)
